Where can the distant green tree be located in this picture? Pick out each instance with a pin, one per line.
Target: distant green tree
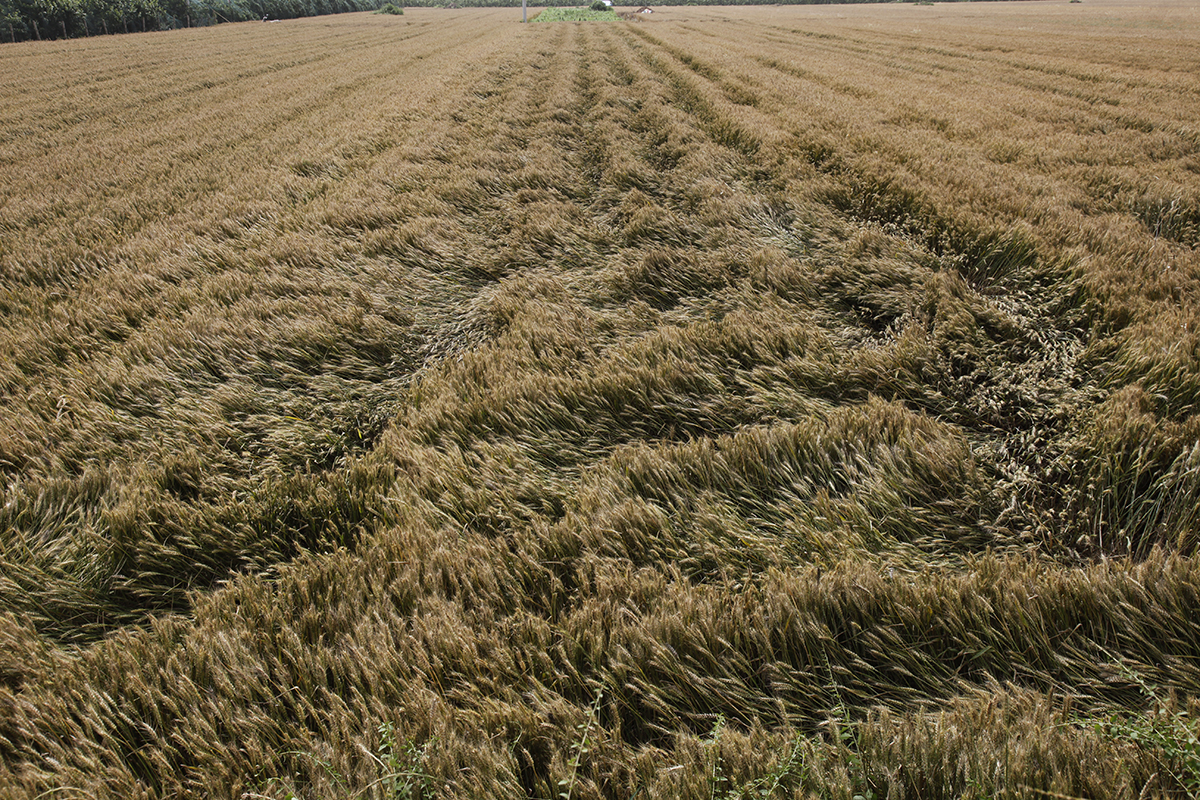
(22, 20)
(12, 22)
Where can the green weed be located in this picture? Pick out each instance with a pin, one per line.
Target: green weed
(580, 748)
(1165, 729)
(554, 14)
(789, 771)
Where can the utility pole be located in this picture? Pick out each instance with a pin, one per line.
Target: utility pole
(523, 19)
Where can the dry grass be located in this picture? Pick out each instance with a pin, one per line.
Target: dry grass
(777, 402)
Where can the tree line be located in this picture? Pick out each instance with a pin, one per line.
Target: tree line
(25, 20)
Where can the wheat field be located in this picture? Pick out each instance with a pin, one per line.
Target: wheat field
(727, 402)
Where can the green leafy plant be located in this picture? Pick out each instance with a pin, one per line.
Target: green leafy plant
(402, 767)
(580, 748)
(1172, 733)
(716, 773)
(846, 732)
(790, 769)
(390, 8)
(846, 740)
(404, 775)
